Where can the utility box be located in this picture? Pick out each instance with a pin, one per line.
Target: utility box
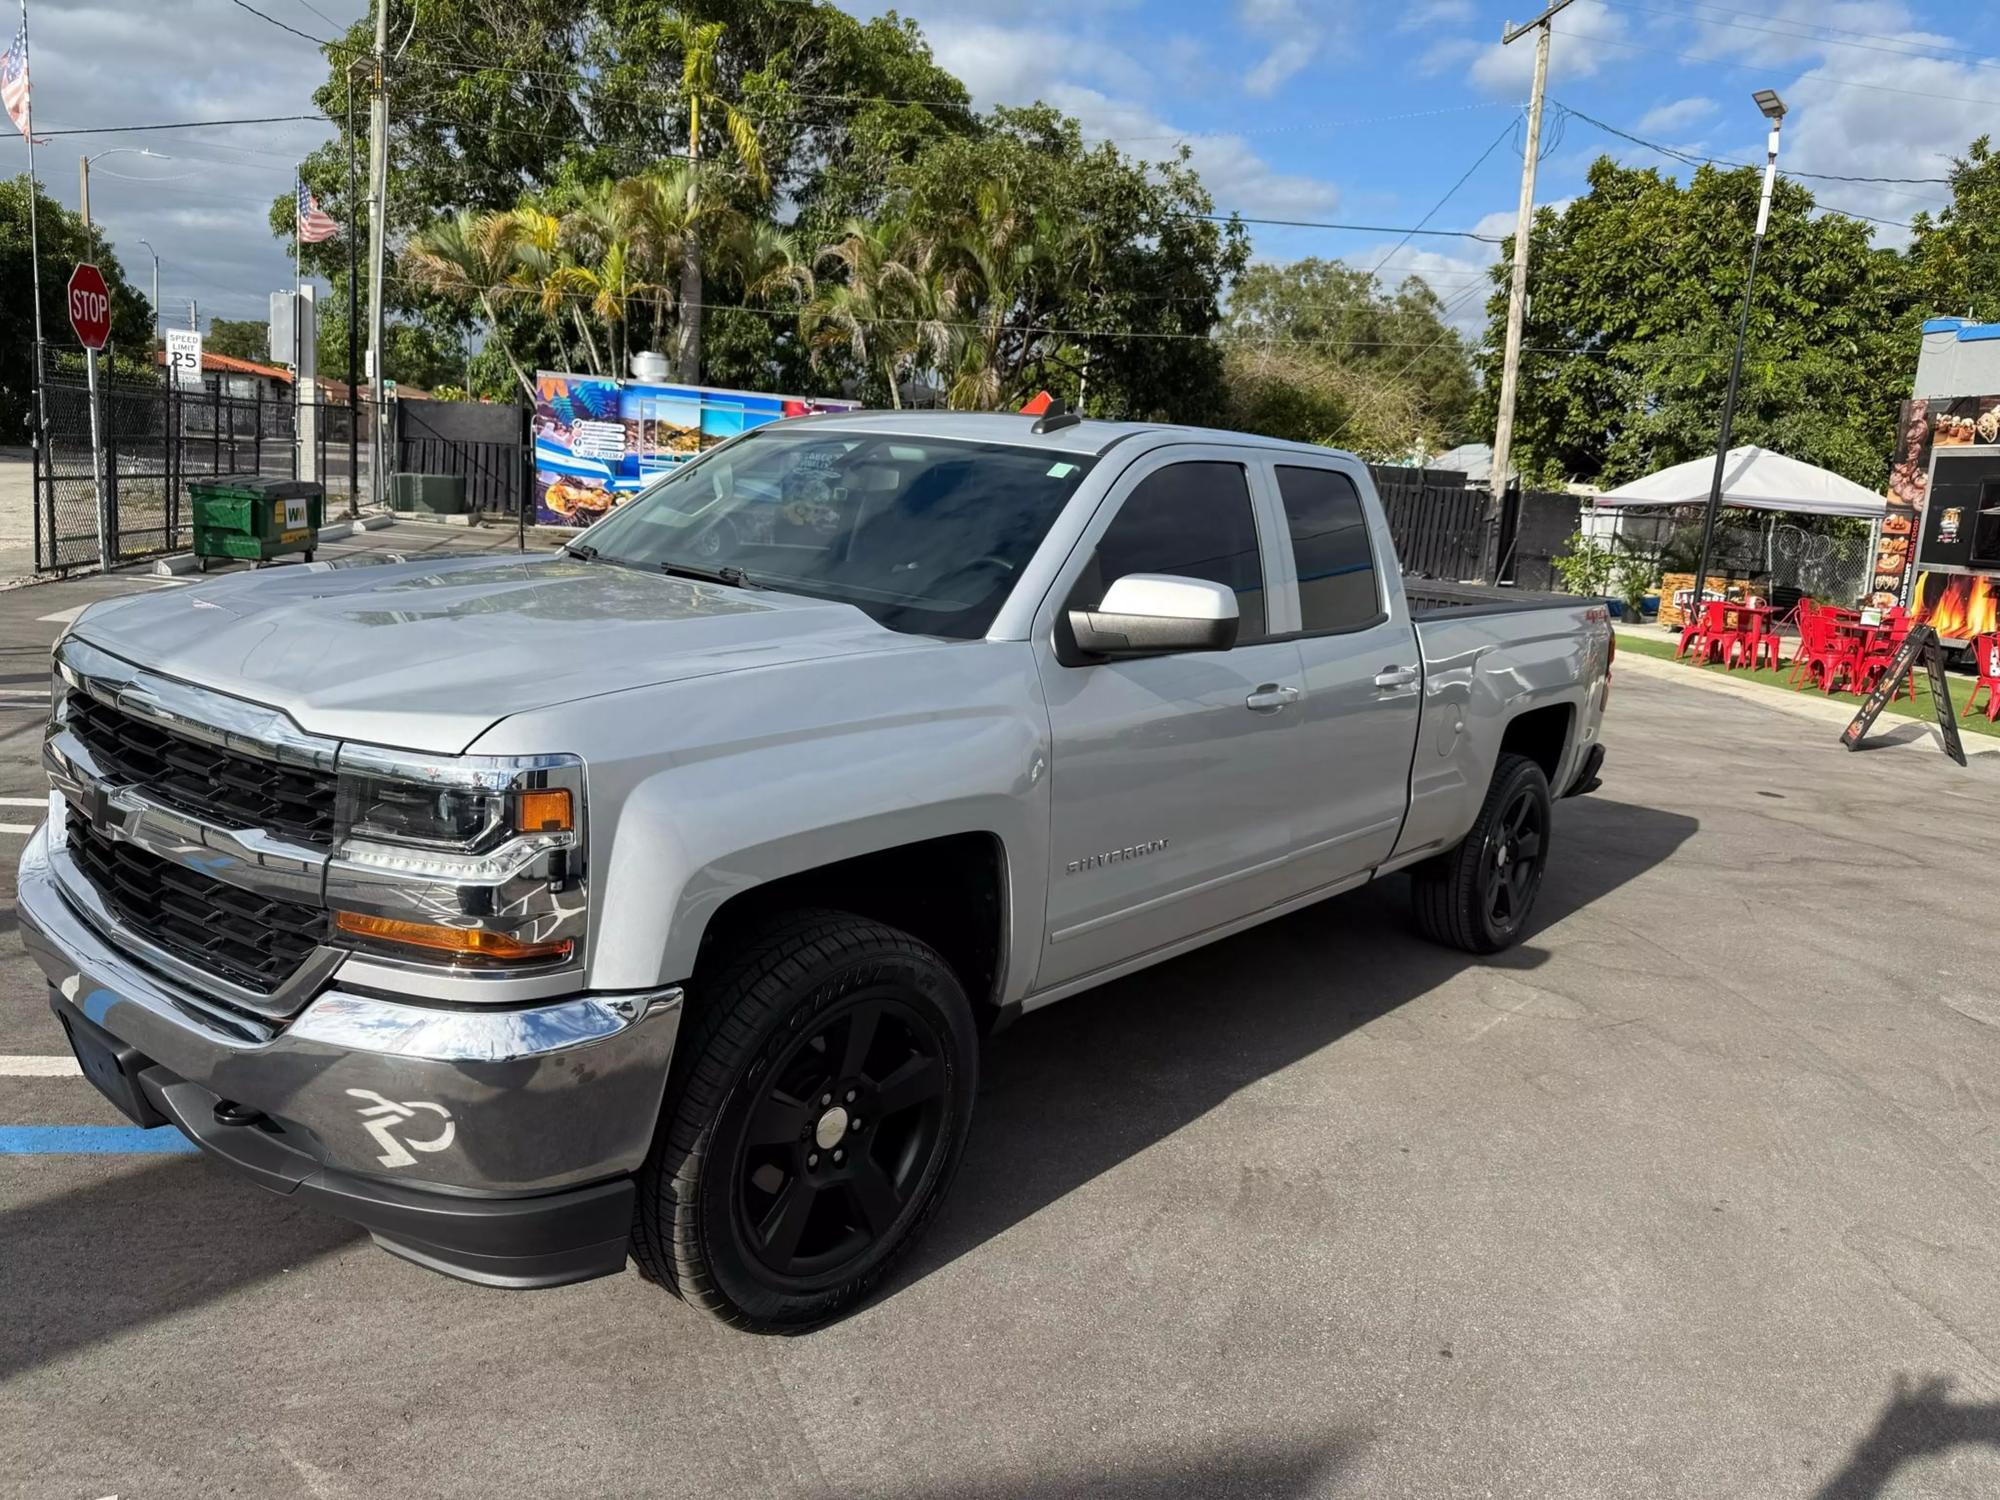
(441, 494)
(252, 517)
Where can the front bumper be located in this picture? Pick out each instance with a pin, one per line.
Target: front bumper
(492, 1143)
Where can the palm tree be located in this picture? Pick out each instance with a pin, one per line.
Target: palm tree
(993, 256)
(541, 254)
(596, 269)
(699, 42)
(470, 259)
(890, 310)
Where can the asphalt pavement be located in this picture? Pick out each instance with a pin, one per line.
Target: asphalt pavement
(1692, 1194)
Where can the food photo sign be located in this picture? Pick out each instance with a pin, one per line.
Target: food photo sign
(1932, 551)
(599, 440)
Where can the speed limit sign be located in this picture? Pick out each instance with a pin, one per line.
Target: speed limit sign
(184, 357)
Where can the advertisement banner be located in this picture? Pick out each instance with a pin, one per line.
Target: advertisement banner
(600, 440)
(1929, 545)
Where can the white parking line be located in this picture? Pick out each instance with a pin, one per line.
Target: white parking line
(17, 827)
(63, 616)
(24, 802)
(39, 1067)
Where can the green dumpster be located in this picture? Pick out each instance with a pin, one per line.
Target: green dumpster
(251, 516)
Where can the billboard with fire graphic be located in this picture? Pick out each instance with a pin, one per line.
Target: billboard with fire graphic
(1941, 533)
(598, 441)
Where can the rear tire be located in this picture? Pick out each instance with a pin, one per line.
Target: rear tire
(817, 1032)
(1478, 896)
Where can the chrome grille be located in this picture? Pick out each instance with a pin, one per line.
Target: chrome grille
(251, 940)
(236, 791)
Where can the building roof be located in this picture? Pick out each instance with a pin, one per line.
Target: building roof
(229, 365)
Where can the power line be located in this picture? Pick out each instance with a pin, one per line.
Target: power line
(1972, 59)
(1715, 161)
(1506, 131)
(317, 41)
(183, 125)
(1761, 70)
(1461, 234)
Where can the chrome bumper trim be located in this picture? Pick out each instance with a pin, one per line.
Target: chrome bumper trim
(538, 1098)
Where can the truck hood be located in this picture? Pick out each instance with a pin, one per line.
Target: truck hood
(429, 655)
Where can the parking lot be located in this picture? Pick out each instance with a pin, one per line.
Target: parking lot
(1693, 1194)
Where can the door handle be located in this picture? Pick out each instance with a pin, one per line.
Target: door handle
(1396, 678)
(1269, 698)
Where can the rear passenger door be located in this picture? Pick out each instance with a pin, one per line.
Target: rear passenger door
(1363, 678)
(1171, 777)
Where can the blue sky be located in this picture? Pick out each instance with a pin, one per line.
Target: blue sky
(1302, 109)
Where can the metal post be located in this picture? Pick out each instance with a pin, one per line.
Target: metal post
(353, 320)
(378, 229)
(35, 273)
(1736, 360)
(97, 460)
(1524, 217)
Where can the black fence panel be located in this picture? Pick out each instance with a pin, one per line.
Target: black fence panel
(1438, 521)
(1538, 527)
(156, 438)
(482, 442)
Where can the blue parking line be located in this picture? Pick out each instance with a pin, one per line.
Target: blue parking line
(69, 1140)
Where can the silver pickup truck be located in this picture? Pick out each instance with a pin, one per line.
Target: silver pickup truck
(652, 897)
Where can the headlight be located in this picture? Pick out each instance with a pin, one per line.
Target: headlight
(473, 860)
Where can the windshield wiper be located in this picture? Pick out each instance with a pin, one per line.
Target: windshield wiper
(580, 549)
(733, 576)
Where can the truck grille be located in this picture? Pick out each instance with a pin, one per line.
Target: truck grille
(236, 791)
(250, 940)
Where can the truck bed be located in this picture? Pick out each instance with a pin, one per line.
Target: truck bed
(1434, 599)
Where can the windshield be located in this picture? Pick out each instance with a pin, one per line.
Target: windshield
(926, 536)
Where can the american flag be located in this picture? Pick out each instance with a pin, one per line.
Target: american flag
(315, 223)
(14, 78)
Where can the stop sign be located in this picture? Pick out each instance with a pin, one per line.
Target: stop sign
(89, 306)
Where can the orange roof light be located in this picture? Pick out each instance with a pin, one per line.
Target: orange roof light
(543, 812)
(463, 942)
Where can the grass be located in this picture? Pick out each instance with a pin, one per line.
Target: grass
(1662, 647)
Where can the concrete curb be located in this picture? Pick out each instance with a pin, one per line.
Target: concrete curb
(181, 563)
(1835, 712)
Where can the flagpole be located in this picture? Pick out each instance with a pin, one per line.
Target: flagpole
(298, 308)
(34, 235)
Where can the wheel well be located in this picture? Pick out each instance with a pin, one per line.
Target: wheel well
(1541, 734)
(948, 892)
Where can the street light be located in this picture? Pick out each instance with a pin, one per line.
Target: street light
(156, 287)
(1773, 109)
(83, 172)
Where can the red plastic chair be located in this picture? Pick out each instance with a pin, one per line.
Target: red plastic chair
(1883, 651)
(1986, 661)
(1704, 630)
(1826, 656)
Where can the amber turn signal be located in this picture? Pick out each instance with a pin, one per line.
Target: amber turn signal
(464, 942)
(543, 812)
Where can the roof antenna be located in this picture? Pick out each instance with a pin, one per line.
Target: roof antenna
(1056, 417)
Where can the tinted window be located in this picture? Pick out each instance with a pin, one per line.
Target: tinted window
(1330, 542)
(923, 534)
(1191, 519)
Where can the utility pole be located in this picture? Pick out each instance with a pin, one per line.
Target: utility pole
(1524, 217)
(353, 317)
(156, 291)
(194, 321)
(378, 228)
(1773, 109)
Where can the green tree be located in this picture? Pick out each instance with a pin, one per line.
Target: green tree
(889, 311)
(1636, 288)
(470, 259)
(1956, 255)
(244, 338)
(62, 246)
(1394, 345)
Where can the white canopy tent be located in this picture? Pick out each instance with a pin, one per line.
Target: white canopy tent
(1753, 479)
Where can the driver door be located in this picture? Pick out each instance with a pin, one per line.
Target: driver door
(1171, 805)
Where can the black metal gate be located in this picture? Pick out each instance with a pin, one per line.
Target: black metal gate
(484, 443)
(156, 437)
(1439, 522)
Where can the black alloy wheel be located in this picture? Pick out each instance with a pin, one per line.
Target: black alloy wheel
(1514, 865)
(848, 1124)
(816, 1111)
(1478, 894)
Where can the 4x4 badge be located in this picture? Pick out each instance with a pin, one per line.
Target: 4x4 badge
(382, 1116)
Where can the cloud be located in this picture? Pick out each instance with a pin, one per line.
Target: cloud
(104, 62)
(1796, 30)
(1435, 13)
(1665, 119)
(1585, 40)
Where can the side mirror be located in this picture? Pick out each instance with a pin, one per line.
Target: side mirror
(1151, 614)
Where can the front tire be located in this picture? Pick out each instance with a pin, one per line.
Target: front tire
(1478, 895)
(817, 1114)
